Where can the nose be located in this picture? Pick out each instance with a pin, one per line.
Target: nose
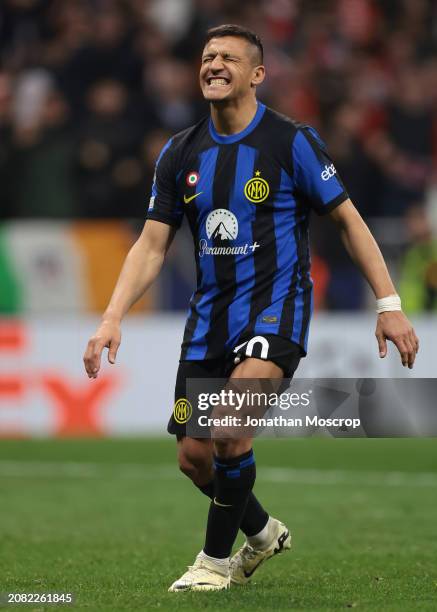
(216, 64)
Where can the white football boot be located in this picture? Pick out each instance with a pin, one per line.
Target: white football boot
(248, 559)
(204, 575)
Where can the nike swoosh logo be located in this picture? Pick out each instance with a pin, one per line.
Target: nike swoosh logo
(281, 541)
(187, 200)
(249, 574)
(222, 505)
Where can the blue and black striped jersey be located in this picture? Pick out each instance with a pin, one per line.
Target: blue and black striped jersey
(247, 198)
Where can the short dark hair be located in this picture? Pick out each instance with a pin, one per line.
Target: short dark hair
(231, 29)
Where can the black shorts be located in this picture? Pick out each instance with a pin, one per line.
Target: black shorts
(269, 347)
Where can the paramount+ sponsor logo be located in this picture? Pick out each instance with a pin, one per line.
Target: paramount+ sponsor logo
(221, 230)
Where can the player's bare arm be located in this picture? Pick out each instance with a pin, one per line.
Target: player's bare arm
(391, 325)
(141, 267)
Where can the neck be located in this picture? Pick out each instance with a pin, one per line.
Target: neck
(232, 117)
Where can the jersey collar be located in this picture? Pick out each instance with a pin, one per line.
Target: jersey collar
(240, 135)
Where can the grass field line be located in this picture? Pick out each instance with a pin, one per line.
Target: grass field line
(77, 469)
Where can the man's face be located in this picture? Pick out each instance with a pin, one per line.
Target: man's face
(228, 69)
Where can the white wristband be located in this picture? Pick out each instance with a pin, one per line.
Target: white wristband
(389, 303)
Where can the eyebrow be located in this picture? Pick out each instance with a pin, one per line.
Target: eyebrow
(222, 53)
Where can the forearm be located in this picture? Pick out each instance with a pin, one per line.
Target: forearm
(365, 252)
(140, 269)
(392, 323)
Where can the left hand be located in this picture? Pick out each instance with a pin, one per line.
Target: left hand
(395, 326)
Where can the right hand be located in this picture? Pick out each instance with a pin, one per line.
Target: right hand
(108, 335)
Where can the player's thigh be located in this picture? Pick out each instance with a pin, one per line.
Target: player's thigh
(256, 372)
(252, 367)
(279, 355)
(195, 453)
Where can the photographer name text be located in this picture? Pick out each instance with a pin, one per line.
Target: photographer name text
(277, 421)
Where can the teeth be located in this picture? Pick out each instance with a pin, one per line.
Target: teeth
(218, 82)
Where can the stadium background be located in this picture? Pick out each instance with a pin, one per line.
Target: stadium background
(89, 92)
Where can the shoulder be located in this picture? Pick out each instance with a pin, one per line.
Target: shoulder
(282, 133)
(189, 138)
(292, 130)
(277, 133)
(281, 124)
(176, 148)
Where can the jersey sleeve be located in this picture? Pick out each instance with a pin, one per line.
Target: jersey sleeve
(163, 204)
(315, 176)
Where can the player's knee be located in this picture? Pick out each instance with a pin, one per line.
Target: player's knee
(227, 447)
(195, 460)
(187, 468)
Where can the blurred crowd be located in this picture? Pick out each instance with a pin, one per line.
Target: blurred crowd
(91, 89)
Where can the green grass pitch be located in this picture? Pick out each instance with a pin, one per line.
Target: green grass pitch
(114, 522)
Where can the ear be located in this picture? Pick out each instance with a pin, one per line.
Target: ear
(258, 76)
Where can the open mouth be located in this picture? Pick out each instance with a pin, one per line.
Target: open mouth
(217, 81)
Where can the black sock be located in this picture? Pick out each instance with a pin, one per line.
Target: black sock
(254, 518)
(233, 482)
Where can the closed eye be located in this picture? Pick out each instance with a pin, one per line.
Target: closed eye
(225, 58)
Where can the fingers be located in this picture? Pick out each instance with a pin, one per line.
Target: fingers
(113, 348)
(92, 356)
(394, 326)
(414, 340)
(382, 344)
(407, 346)
(403, 351)
(411, 351)
(406, 350)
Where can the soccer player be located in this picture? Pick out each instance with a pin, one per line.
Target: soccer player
(247, 179)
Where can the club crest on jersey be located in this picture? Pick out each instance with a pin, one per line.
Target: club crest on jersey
(192, 179)
(256, 189)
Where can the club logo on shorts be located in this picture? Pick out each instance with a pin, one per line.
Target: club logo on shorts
(192, 179)
(182, 411)
(257, 189)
